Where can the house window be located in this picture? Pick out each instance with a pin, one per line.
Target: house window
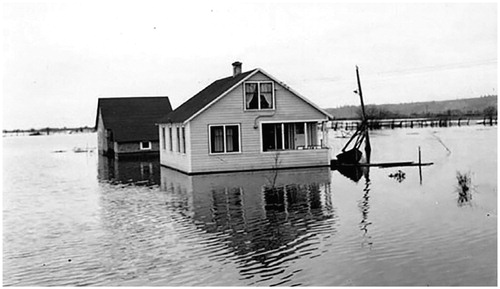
(178, 140)
(289, 136)
(164, 142)
(146, 170)
(224, 138)
(272, 136)
(145, 145)
(259, 95)
(183, 140)
(170, 145)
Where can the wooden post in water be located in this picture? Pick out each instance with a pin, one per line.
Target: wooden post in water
(368, 148)
(420, 165)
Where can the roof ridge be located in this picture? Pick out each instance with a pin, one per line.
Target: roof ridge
(133, 97)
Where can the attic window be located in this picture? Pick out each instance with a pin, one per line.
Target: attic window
(259, 95)
(145, 145)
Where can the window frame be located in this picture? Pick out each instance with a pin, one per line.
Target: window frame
(225, 152)
(170, 141)
(142, 148)
(164, 139)
(183, 131)
(273, 96)
(305, 122)
(177, 132)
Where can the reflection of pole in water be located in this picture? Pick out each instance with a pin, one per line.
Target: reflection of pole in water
(364, 206)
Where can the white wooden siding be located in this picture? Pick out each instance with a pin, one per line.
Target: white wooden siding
(175, 159)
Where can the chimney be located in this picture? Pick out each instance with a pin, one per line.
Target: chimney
(236, 68)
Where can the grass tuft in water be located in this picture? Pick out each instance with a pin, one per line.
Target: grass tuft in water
(464, 187)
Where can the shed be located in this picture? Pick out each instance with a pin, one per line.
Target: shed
(127, 125)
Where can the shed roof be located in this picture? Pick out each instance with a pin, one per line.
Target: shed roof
(133, 118)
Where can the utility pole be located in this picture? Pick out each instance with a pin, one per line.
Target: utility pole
(368, 148)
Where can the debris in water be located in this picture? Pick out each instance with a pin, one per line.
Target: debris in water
(83, 150)
(440, 141)
(464, 188)
(398, 176)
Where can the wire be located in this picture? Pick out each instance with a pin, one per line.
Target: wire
(438, 67)
(410, 71)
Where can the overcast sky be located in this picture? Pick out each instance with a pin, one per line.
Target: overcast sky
(60, 57)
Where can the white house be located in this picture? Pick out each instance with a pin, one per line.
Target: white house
(245, 122)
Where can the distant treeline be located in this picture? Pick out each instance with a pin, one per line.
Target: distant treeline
(50, 130)
(485, 106)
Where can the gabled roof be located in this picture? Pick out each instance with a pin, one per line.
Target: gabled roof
(205, 97)
(133, 118)
(212, 93)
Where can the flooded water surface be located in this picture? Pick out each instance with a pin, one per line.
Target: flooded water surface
(80, 219)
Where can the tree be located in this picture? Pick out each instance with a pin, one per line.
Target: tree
(373, 112)
(490, 111)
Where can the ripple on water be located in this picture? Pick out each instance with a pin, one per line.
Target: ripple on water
(236, 229)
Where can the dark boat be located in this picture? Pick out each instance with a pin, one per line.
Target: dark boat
(352, 156)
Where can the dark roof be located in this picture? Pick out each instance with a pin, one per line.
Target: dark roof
(133, 118)
(203, 98)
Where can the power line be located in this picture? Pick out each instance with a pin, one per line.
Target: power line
(432, 68)
(410, 71)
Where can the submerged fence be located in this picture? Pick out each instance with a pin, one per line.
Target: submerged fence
(411, 123)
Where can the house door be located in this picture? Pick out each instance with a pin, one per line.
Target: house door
(300, 137)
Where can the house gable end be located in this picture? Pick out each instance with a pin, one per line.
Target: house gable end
(295, 93)
(230, 107)
(198, 104)
(288, 103)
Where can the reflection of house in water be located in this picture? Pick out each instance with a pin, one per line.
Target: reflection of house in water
(261, 223)
(137, 170)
